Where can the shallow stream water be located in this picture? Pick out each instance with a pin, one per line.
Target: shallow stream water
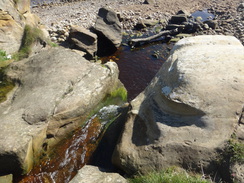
(137, 68)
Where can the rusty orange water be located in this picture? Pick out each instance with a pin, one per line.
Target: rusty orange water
(72, 155)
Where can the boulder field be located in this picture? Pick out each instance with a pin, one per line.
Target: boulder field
(55, 91)
(189, 111)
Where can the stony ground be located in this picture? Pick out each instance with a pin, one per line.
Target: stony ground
(83, 13)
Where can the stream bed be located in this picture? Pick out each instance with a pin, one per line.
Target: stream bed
(137, 68)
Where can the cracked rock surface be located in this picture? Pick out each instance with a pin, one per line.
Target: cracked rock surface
(54, 90)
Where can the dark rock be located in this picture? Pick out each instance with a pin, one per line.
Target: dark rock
(178, 19)
(108, 29)
(211, 23)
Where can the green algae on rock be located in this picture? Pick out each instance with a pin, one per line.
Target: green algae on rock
(5, 86)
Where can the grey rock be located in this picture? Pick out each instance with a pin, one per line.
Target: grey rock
(84, 39)
(108, 25)
(91, 174)
(53, 90)
(179, 118)
(145, 23)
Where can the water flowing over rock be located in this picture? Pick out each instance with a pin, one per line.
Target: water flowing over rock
(91, 174)
(190, 109)
(56, 90)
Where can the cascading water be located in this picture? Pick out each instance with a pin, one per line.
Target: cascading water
(74, 152)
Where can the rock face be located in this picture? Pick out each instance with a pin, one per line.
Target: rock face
(55, 91)
(190, 109)
(13, 17)
(84, 39)
(91, 174)
(108, 29)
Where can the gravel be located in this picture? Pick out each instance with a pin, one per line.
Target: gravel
(228, 13)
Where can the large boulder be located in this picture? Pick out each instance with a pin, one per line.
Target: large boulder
(190, 109)
(55, 92)
(14, 15)
(84, 39)
(91, 174)
(108, 29)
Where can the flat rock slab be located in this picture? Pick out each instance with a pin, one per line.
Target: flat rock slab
(189, 110)
(54, 90)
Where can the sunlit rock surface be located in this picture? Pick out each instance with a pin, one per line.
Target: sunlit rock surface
(190, 109)
(56, 90)
(91, 174)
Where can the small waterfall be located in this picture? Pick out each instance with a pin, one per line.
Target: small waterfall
(74, 152)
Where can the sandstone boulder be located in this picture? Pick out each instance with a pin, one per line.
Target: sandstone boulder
(55, 91)
(14, 15)
(84, 39)
(91, 174)
(190, 109)
(108, 29)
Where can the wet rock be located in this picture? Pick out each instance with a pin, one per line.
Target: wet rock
(108, 29)
(83, 39)
(178, 120)
(58, 87)
(178, 19)
(91, 174)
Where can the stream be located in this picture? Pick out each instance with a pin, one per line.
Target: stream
(137, 68)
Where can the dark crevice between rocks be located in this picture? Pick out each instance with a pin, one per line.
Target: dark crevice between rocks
(102, 157)
(105, 47)
(10, 164)
(142, 134)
